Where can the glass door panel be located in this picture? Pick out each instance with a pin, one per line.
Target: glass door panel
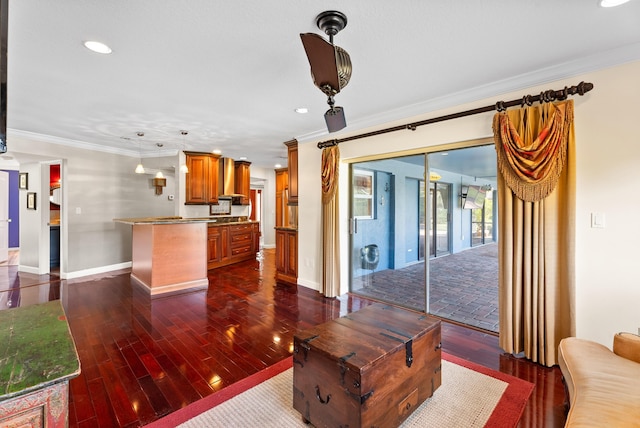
(440, 196)
(387, 228)
(462, 280)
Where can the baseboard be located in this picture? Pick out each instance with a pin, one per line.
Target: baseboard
(29, 269)
(95, 271)
(309, 284)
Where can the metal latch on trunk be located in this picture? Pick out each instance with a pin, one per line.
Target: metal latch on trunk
(408, 345)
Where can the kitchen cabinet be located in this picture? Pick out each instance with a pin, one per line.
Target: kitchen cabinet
(292, 166)
(202, 179)
(287, 255)
(217, 246)
(256, 237)
(232, 243)
(243, 181)
(282, 199)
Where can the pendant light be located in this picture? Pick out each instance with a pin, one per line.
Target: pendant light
(140, 168)
(183, 167)
(159, 173)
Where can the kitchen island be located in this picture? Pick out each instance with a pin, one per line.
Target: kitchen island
(172, 254)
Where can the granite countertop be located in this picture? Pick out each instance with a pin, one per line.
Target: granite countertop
(36, 347)
(172, 220)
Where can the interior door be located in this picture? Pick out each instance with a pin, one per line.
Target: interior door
(4, 216)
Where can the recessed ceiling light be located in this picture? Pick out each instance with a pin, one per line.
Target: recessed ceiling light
(217, 152)
(97, 47)
(278, 165)
(242, 158)
(302, 110)
(612, 3)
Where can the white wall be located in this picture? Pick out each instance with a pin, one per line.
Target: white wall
(97, 187)
(608, 155)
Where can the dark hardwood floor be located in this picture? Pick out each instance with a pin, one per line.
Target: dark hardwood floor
(143, 358)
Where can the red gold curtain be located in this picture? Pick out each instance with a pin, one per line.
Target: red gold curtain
(532, 148)
(536, 208)
(330, 222)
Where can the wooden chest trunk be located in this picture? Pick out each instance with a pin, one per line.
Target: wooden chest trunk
(371, 368)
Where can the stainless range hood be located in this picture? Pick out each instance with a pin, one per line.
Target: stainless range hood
(226, 181)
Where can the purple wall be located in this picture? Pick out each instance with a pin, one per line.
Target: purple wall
(14, 210)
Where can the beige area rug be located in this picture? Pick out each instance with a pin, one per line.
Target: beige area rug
(467, 398)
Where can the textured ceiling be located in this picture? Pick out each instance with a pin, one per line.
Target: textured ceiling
(232, 72)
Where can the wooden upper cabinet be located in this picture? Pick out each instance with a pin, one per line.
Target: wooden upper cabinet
(202, 178)
(243, 181)
(292, 158)
(282, 183)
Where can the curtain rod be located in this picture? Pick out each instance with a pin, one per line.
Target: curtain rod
(544, 97)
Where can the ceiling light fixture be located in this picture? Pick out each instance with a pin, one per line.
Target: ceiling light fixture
(97, 47)
(183, 168)
(278, 165)
(217, 151)
(302, 110)
(159, 173)
(612, 3)
(330, 64)
(140, 168)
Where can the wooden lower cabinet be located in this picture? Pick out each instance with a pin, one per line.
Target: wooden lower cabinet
(234, 243)
(287, 255)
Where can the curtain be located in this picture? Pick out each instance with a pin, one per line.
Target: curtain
(330, 229)
(536, 209)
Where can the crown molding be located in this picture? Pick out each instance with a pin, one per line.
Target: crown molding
(600, 61)
(85, 145)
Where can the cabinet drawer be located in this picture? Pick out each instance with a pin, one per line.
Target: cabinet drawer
(240, 250)
(240, 238)
(240, 228)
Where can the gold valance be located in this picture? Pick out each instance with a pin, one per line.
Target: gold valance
(531, 144)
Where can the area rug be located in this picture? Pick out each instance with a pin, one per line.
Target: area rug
(470, 396)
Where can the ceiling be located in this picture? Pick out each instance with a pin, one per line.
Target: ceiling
(231, 73)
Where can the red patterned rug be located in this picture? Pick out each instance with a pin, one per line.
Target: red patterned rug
(470, 395)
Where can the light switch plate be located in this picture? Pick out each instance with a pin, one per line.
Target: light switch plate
(598, 220)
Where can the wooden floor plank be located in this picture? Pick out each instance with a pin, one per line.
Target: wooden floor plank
(143, 357)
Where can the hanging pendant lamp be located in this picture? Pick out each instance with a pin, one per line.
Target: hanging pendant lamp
(183, 167)
(140, 168)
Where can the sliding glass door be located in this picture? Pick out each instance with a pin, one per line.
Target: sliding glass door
(423, 233)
